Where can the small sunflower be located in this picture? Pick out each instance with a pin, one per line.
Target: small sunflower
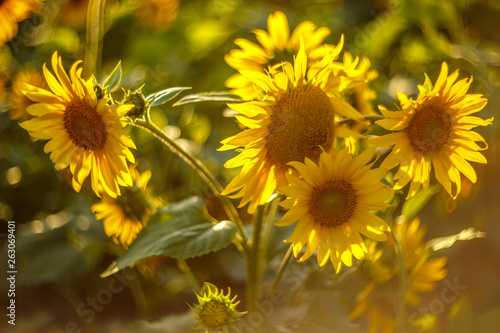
(157, 14)
(379, 298)
(295, 120)
(85, 134)
(275, 45)
(12, 12)
(333, 204)
(436, 130)
(124, 216)
(18, 101)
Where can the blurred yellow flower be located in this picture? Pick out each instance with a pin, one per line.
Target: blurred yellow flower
(379, 298)
(74, 13)
(435, 129)
(275, 46)
(12, 12)
(124, 216)
(18, 101)
(157, 14)
(85, 134)
(294, 121)
(333, 204)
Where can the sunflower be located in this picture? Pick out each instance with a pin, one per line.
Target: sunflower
(295, 120)
(18, 101)
(124, 216)
(436, 130)
(85, 134)
(333, 204)
(157, 14)
(12, 12)
(275, 45)
(379, 297)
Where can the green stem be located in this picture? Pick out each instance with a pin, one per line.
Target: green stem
(252, 260)
(184, 267)
(370, 117)
(94, 36)
(138, 295)
(281, 270)
(201, 170)
(402, 284)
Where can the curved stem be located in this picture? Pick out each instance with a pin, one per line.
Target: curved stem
(183, 266)
(201, 170)
(281, 269)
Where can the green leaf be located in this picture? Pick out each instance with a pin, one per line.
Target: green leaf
(212, 96)
(163, 96)
(377, 130)
(413, 205)
(114, 78)
(440, 243)
(181, 230)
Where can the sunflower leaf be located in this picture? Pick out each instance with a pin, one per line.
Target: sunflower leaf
(163, 96)
(440, 243)
(413, 205)
(212, 96)
(183, 230)
(114, 78)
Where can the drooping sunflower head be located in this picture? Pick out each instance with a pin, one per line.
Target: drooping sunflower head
(215, 311)
(435, 130)
(333, 205)
(123, 217)
(12, 12)
(276, 45)
(18, 101)
(85, 133)
(294, 121)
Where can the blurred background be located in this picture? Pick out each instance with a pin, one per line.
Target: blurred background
(62, 248)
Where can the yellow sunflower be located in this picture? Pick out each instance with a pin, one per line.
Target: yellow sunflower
(18, 101)
(124, 216)
(275, 45)
(436, 130)
(295, 120)
(85, 134)
(333, 204)
(157, 14)
(12, 12)
(379, 298)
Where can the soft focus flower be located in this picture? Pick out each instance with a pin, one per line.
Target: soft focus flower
(18, 101)
(294, 121)
(436, 130)
(85, 134)
(12, 12)
(332, 204)
(157, 14)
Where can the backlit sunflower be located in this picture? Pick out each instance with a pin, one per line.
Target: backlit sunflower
(436, 130)
(275, 46)
(18, 101)
(12, 12)
(295, 120)
(124, 216)
(332, 204)
(379, 298)
(85, 134)
(157, 14)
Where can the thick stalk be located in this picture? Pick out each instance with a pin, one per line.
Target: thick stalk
(202, 171)
(281, 270)
(94, 36)
(183, 266)
(252, 261)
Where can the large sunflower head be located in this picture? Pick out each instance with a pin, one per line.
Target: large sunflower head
(12, 12)
(85, 134)
(436, 130)
(124, 216)
(294, 121)
(18, 101)
(274, 46)
(333, 204)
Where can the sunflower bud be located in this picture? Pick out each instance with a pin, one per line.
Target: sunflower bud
(216, 311)
(137, 99)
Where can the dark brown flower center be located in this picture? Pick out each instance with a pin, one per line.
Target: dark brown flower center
(85, 126)
(333, 203)
(429, 129)
(301, 123)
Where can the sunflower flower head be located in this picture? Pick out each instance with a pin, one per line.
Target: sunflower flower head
(274, 46)
(379, 298)
(333, 205)
(215, 311)
(124, 216)
(435, 131)
(294, 121)
(84, 133)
